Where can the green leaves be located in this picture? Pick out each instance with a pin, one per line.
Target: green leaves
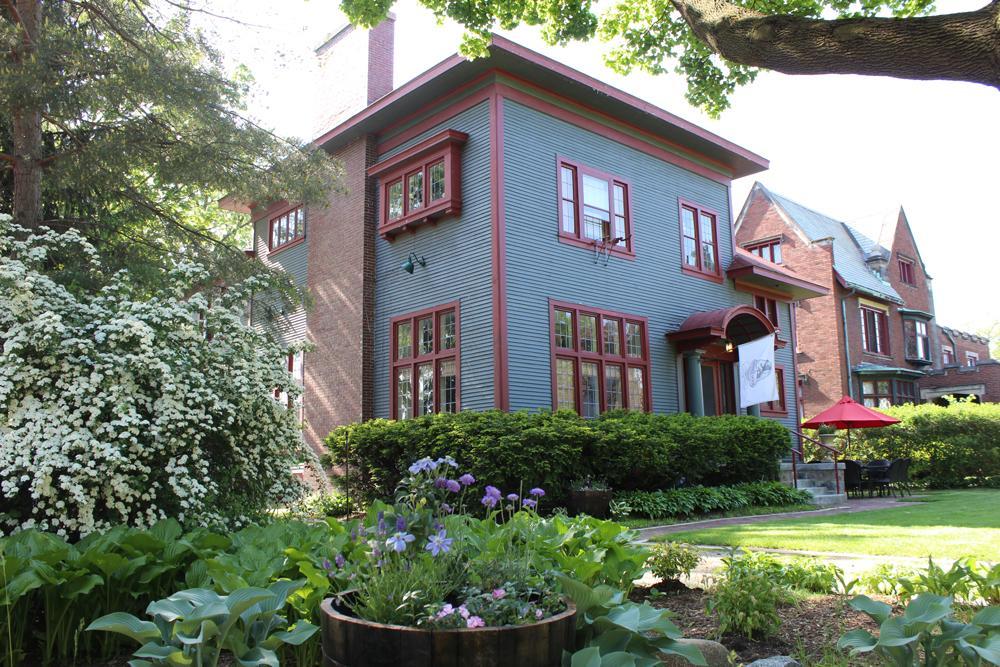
(125, 624)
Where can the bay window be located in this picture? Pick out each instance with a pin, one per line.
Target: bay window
(918, 342)
(425, 362)
(877, 393)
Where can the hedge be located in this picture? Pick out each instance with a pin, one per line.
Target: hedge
(628, 449)
(691, 501)
(953, 446)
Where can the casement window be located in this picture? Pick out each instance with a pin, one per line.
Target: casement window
(767, 306)
(769, 250)
(971, 358)
(918, 342)
(600, 361)
(286, 229)
(877, 393)
(699, 241)
(906, 392)
(874, 330)
(594, 208)
(425, 362)
(947, 355)
(906, 271)
(777, 407)
(421, 184)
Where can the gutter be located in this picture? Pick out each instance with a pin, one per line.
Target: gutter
(847, 346)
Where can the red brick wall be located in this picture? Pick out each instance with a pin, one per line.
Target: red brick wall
(381, 42)
(987, 374)
(917, 296)
(962, 344)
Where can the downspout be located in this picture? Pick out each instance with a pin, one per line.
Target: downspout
(847, 346)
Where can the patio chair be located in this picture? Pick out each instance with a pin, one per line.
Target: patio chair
(899, 475)
(853, 478)
(878, 476)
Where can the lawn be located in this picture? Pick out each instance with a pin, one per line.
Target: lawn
(949, 524)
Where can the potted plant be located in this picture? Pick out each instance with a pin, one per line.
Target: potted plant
(429, 584)
(828, 436)
(590, 495)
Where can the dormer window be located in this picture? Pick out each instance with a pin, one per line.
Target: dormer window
(769, 250)
(421, 184)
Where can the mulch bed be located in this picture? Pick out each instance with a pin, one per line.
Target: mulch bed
(808, 630)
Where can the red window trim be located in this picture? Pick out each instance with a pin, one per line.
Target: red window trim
(273, 249)
(444, 146)
(577, 355)
(714, 276)
(782, 409)
(577, 239)
(777, 314)
(885, 348)
(754, 246)
(434, 357)
(907, 269)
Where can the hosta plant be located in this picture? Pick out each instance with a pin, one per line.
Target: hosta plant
(192, 628)
(926, 634)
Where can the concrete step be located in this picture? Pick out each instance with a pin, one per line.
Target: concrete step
(830, 499)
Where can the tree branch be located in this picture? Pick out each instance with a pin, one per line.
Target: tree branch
(962, 47)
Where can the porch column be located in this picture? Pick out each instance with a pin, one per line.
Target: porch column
(692, 382)
(754, 410)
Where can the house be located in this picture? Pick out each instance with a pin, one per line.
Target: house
(514, 234)
(874, 336)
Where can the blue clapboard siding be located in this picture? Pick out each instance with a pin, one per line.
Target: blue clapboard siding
(459, 268)
(539, 267)
(291, 327)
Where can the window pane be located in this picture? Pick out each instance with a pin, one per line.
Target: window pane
(636, 389)
(425, 389)
(447, 386)
(396, 200)
(687, 218)
(619, 230)
(619, 210)
(707, 257)
(274, 234)
(776, 253)
(613, 387)
(633, 339)
(707, 233)
(404, 340)
(426, 328)
(612, 344)
(690, 252)
(415, 191)
(596, 208)
(868, 387)
(565, 385)
(595, 192)
(564, 329)
(619, 200)
(590, 398)
(448, 331)
(567, 188)
(437, 180)
(404, 394)
(588, 333)
(569, 217)
(596, 223)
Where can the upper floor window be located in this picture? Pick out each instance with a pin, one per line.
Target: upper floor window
(874, 330)
(593, 208)
(906, 271)
(699, 241)
(947, 355)
(769, 250)
(425, 362)
(971, 358)
(421, 183)
(600, 361)
(777, 407)
(286, 229)
(918, 342)
(767, 306)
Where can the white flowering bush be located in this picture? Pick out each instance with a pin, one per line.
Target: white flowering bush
(117, 407)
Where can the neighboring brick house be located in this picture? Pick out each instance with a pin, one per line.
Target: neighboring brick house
(514, 234)
(966, 369)
(874, 336)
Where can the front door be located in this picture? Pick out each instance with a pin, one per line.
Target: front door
(717, 387)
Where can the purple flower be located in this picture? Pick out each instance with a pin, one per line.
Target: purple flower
(440, 483)
(327, 565)
(512, 497)
(539, 614)
(467, 479)
(452, 486)
(489, 501)
(446, 610)
(440, 543)
(422, 465)
(381, 524)
(463, 611)
(398, 541)
(446, 508)
(474, 622)
(400, 524)
(447, 460)
(499, 594)
(493, 492)
(537, 492)
(340, 560)
(528, 502)
(376, 552)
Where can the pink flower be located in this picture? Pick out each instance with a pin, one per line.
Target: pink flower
(499, 593)
(446, 610)
(464, 612)
(539, 614)
(474, 622)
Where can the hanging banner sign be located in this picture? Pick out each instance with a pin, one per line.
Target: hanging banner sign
(758, 381)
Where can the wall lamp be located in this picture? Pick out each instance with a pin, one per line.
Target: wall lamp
(408, 264)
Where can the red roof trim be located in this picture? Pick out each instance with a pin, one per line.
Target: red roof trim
(714, 323)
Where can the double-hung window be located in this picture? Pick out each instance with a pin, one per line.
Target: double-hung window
(594, 208)
(600, 360)
(286, 229)
(971, 358)
(425, 362)
(947, 355)
(768, 306)
(874, 330)
(769, 250)
(699, 241)
(906, 272)
(918, 342)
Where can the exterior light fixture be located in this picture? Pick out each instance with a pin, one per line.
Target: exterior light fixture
(729, 346)
(408, 265)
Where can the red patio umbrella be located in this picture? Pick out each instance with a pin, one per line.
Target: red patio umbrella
(847, 413)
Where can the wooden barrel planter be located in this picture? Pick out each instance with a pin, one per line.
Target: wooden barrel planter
(349, 641)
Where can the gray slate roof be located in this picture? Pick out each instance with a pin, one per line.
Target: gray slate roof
(850, 247)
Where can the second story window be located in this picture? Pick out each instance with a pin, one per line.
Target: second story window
(971, 358)
(767, 306)
(699, 241)
(947, 355)
(906, 271)
(593, 207)
(918, 343)
(286, 229)
(769, 250)
(874, 330)
(425, 367)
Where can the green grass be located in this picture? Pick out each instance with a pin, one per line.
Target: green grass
(951, 524)
(638, 522)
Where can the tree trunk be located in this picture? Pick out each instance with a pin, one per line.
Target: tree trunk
(961, 47)
(27, 126)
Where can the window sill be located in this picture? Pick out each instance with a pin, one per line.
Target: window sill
(918, 361)
(704, 275)
(624, 253)
(431, 214)
(877, 355)
(282, 248)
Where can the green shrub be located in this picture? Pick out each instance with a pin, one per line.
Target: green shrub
(695, 500)
(804, 574)
(953, 446)
(745, 600)
(672, 560)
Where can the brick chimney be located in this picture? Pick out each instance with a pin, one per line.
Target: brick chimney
(355, 69)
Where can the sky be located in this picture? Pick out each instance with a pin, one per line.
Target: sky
(854, 148)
